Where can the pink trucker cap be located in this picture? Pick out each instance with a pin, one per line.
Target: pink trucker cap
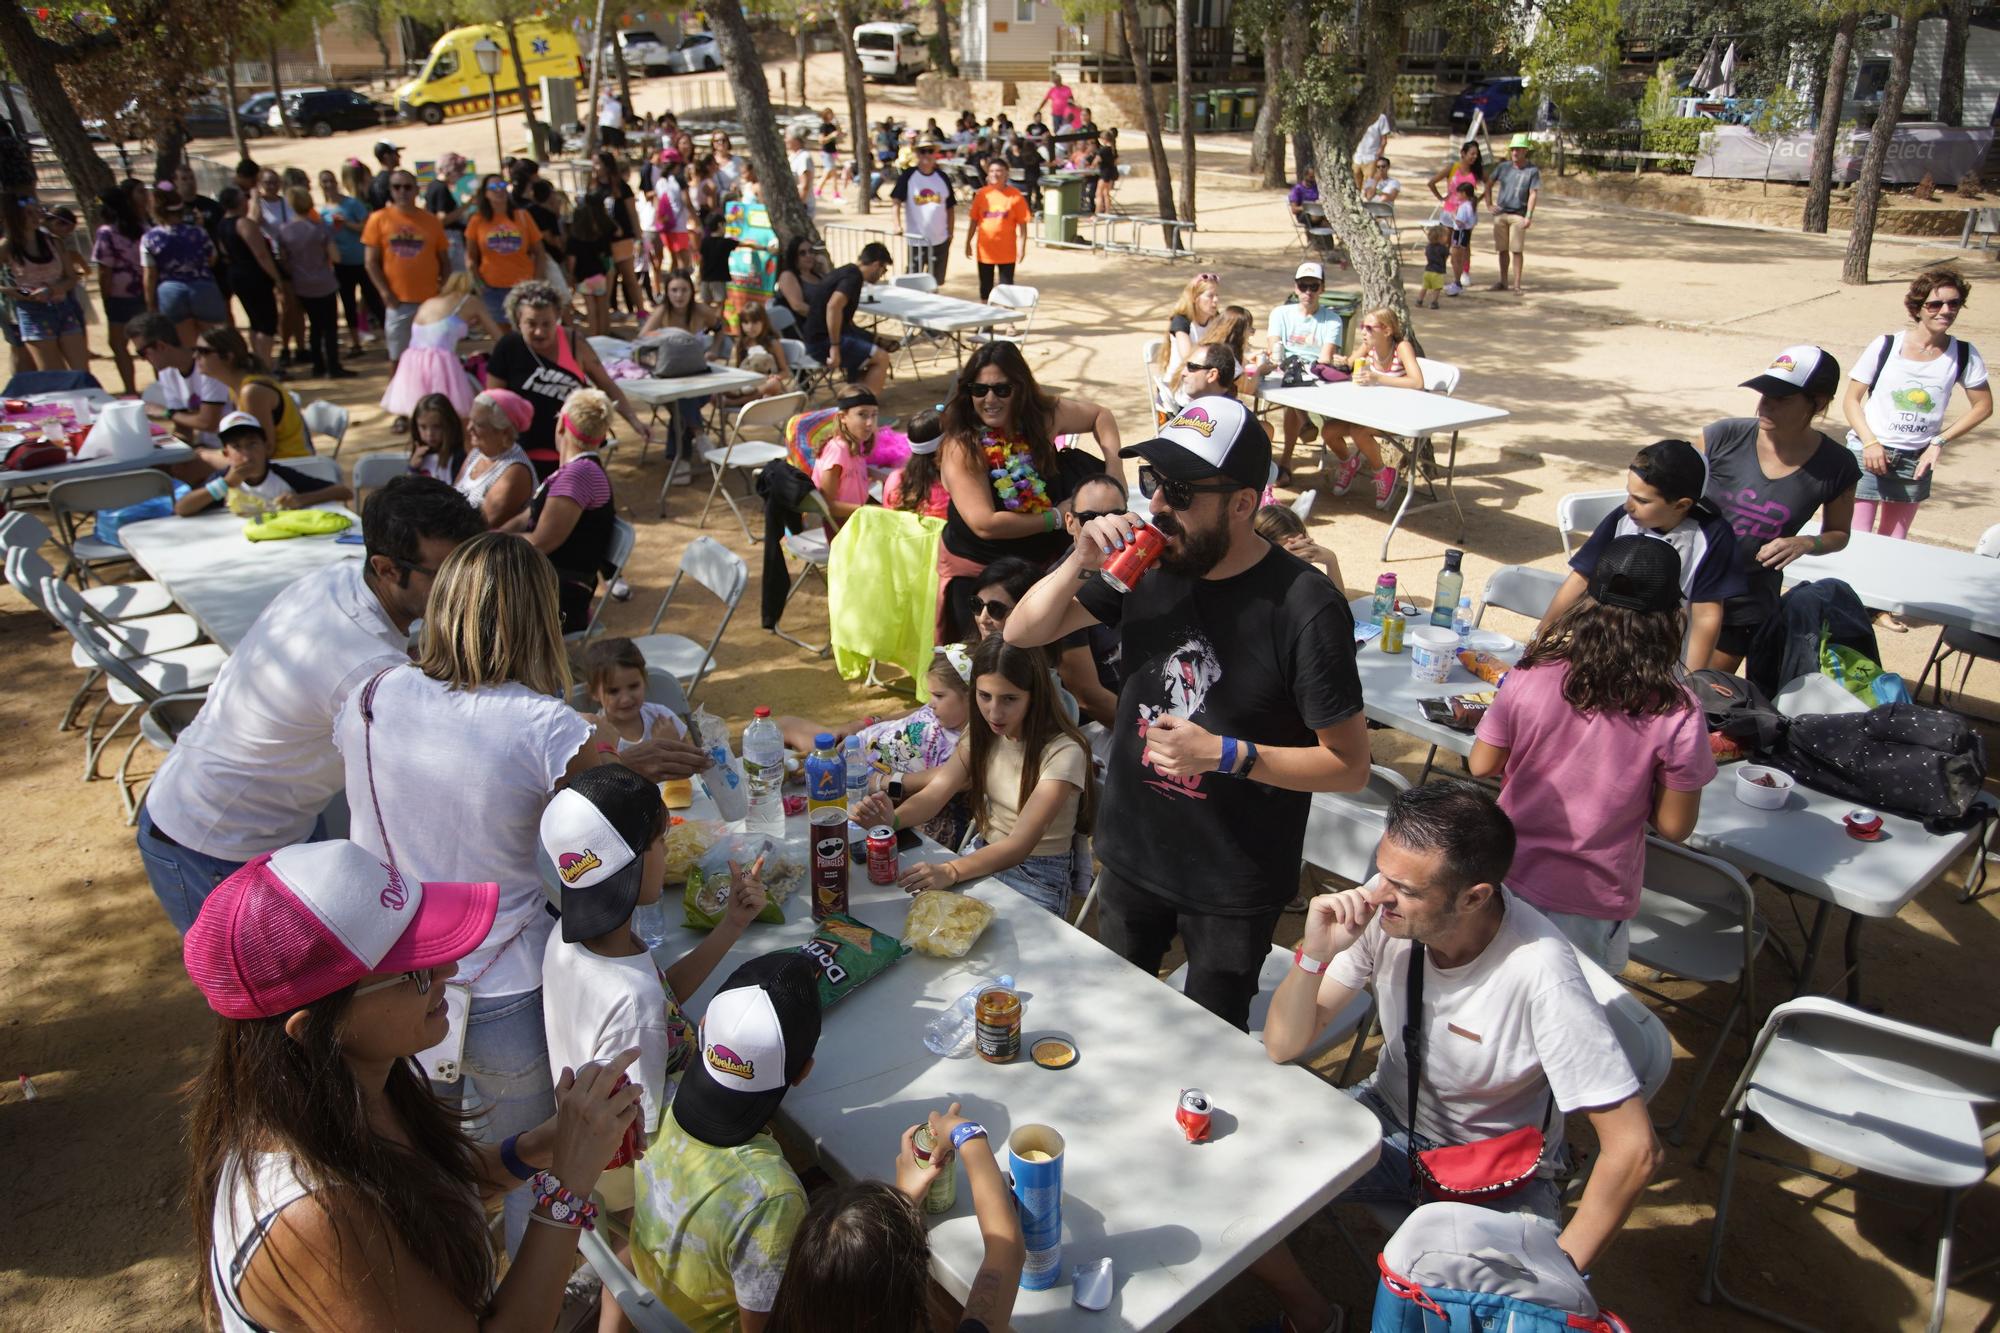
(299, 924)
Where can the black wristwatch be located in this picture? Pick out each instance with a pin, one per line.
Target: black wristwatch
(895, 787)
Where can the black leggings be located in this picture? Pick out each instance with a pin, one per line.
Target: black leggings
(353, 277)
(986, 272)
(1224, 953)
(323, 331)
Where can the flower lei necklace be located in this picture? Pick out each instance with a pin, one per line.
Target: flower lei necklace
(1011, 464)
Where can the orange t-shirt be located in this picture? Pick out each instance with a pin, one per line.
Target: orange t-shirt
(999, 212)
(507, 247)
(411, 242)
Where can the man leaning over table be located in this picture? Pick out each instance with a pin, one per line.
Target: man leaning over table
(257, 765)
(1512, 1035)
(194, 402)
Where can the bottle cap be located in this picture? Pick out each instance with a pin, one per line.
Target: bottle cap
(823, 741)
(761, 711)
(1452, 558)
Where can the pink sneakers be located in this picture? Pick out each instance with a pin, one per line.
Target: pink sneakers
(1343, 472)
(1385, 486)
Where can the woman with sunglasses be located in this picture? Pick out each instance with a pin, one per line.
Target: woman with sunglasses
(331, 1188)
(487, 694)
(43, 278)
(1897, 394)
(1385, 358)
(223, 356)
(1000, 421)
(502, 245)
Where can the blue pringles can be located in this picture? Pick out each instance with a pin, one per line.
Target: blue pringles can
(1035, 1156)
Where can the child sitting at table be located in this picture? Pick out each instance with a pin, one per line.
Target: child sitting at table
(1028, 775)
(614, 672)
(1594, 734)
(252, 484)
(1278, 525)
(602, 992)
(1665, 501)
(918, 486)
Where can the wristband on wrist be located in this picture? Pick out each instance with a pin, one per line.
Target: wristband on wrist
(218, 489)
(1249, 757)
(1304, 964)
(966, 1133)
(1816, 544)
(1051, 519)
(1227, 764)
(511, 1159)
(611, 750)
(563, 1205)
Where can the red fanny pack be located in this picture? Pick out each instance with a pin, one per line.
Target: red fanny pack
(29, 455)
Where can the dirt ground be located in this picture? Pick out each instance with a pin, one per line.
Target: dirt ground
(1635, 327)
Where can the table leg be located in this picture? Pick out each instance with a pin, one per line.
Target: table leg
(673, 435)
(1852, 948)
(1814, 938)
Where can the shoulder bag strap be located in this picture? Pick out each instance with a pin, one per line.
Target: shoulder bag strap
(1413, 1040)
(368, 757)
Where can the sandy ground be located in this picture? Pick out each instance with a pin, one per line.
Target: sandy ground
(1635, 328)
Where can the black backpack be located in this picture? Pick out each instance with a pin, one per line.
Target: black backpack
(1738, 709)
(1925, 763)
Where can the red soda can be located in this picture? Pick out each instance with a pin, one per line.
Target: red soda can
(631, 1147)
(882, 867)
(829, 861)
(1123, 570)
(1193, 1114)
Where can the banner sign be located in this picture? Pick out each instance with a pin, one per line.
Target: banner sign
(1735, 152)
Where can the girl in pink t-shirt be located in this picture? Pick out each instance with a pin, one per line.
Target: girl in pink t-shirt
(840, 467)
(1594, 734)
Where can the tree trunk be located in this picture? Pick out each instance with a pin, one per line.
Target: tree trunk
(1295, 65)
(23, 51)
(535, 132)
(624, 70)
(947, 59)
(1819, 180)
(232, 99)
(1868, 189)
(857, 102)
(278, 89)
(1149, 111)
(1951, 82)
(596, 81)
(1184, 93)
(799, 37)
(168, 146)
(1267, 141)
(753, 107)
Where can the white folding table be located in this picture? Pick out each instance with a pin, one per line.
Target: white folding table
(222, 578)
(658, 393)
(1177, 1219)
(162, 455)
(1930, 583)
(944, 316)
(1408, 414)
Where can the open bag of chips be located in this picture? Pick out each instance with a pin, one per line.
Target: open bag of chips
(706, 896)
(945, 924)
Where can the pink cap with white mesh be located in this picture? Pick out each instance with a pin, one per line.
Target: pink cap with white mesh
(299, 924)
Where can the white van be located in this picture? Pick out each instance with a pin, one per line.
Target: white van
(891, 51)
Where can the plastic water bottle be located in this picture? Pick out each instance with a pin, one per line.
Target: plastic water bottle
(858, 769)
(764, 766)
(1461, 619)
(950, 1033)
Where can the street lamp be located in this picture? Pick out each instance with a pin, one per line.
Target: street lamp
(487, 52)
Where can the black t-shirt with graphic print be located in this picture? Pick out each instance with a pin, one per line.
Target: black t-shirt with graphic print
(1266, 656)
(1760, 509)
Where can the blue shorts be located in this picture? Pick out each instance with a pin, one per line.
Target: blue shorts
(40, 321)
(123, 309)
(496, 302)
(855, 352)
(201, 301)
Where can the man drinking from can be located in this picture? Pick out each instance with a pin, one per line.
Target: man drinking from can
(1239, 699)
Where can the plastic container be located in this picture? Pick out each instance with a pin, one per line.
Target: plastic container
(858, 767)
(764, 769)
(1461, 620)
(1451, 582)
(1432, 651)
(950, 1033)
(1751, 788)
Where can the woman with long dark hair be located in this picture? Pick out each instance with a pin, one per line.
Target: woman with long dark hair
(610, 193)
(998, 418)
(331, 1188)
(798, 268)
(120, 280)
(43, 278)
(502, 245)
(224, 357)
(253, 272)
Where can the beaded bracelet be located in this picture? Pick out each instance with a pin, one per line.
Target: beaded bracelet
(563, 1204)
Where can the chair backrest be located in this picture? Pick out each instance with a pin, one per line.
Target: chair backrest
(1439, 376)
(60, 600)
(1519, 589)
(1640, 1033)
(89, 494)
(916, 282)
(1705, 881)
(1989, 542)
(782, 319)
(1379, 208)
(767, 414)
(1344, 828)
(1303, 506)
(325, 418)
(1900, 1055)
(716, 568)
(1582, 511)
(25, 570)
(1158, 400)
(623, 538)
(325, 467)
(20, 528)
(796, 355)
(378, 470)
(1015, 296)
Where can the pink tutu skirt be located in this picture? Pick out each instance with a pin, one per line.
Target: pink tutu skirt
(423, 371)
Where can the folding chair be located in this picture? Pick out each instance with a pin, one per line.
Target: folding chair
(160, 726)
(623, 538)
(1972, 644)
(71, 500)
(741, 454)
(1698, 921)
(1315, 236)
(1014, 296)
(916, 281)
(325, 418)
(721, 571)
(1384, 214)
(1303, 505)
(113, 601)
(1888, 1098)
(322, 467)
(1582, 511)
(128, 637)
(1519, 589)
(1159, 401)
(1417, 458)
(811, 548)
(808, 373)
(634, 1297)
(374, 471)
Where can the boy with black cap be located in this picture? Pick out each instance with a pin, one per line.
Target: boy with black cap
(1238, 698)
(605, 833)
(718, 1205)
(251, 481)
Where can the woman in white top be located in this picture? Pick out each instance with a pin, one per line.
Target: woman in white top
(1896, 399)
(498, 477)
(449, 761)
(1384, 357)
(332, 1190)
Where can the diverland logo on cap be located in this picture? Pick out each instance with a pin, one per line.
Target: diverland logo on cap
(573, 866)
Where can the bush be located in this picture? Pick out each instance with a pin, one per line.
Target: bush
(1678, 136)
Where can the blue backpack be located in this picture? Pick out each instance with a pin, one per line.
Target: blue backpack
(1461, 1268)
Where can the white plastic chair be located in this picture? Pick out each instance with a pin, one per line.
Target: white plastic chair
(1698, 921)
(1889, 1098)
(916, 282)
(160, 726)
(723, 573)
(810, 373)
(1519, 589)
(376, 471)
(127, 636)
(70, 501)
(1581, 512)
(323, 418)
(633, 1297)
(618, 552)
(113, 601)
(321, 467)
(812, 548)
(740, 453)
(1014, 296)
(1158, 400)
(1303, 505)
(1971, 644)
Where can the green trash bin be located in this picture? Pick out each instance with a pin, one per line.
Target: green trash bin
(1223, 115)
(1246, 106)
(1201, 121)
(1062, 200)
(1347, 305)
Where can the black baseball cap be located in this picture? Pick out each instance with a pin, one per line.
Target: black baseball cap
(756, 1037)
(1214, 436)
(596, 832)
(1801, 369)
(1638, 574)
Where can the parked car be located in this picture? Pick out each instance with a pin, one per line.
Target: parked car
(206, 120)
(255, 112)
(1495, 97)
(321, 112)
(895, 52)
(696, 52)
(644, 51)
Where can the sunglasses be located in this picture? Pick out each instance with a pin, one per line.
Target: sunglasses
(997, 610)
(1308, 285)
(497, 187)
(411, 186)
(412, 567)
(422, 980)
(1180, 494)
(981, 390)
(203, 349)
(1208, 277)
(1085, 515)
(1198, 365)
(1959, 304)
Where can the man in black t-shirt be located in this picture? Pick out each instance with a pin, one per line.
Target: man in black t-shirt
(1238, 699)
(831, 304)
(389, 156)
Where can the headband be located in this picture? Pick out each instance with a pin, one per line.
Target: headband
(929, 446)
(961, 660)
(854, 398)
(580, 435)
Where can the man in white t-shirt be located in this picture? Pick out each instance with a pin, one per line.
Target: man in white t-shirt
(801, 163)
(1511, 1035)
(195, 401)
(926, 196)
(1306, 331)
(257, 765)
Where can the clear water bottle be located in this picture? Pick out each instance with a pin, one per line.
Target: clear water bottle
(764, 767)
(950, 1033)
(649, 923)
(859, 766)
(1461, 619)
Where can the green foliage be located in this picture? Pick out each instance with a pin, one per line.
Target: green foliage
(1679, 136)
(1572, 58)
(1783, 111)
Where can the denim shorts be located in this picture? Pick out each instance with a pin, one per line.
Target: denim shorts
(201, 301)
(496, 302)
(1900, 484)
(1045, 881)
(42, 322)
(506, 1081)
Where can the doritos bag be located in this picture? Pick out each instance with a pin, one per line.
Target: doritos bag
(848, 952)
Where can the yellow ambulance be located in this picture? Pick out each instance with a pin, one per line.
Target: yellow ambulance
(451, 83)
